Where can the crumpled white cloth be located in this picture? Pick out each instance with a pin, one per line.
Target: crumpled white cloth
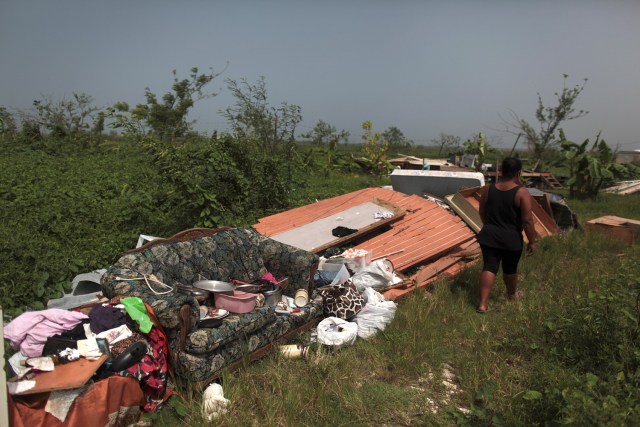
(383, 215)
(214, 403)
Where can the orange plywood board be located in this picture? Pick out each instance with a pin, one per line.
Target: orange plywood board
(317, 236)
(425, 232)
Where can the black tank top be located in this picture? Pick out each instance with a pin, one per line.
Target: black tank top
(503, 226)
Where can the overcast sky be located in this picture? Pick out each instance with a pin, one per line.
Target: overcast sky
(426, 67)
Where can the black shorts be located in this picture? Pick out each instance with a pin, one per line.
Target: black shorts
(493, 256)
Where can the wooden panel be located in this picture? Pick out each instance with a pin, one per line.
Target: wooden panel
(425, 231)
(65, 376)
(543, 223)
(623, 229)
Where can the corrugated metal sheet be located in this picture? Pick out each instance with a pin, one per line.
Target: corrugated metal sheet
(425, 234)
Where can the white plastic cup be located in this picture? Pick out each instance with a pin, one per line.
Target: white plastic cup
(301, 298)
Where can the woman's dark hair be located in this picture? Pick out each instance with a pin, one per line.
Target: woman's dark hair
(510, 167)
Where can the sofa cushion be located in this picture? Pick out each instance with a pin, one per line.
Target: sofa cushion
(233, 326)
(200, 367)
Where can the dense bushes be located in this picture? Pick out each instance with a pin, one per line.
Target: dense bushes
(226, 181)
(62, 215)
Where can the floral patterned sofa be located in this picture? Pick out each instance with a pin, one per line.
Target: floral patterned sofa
(200, 354)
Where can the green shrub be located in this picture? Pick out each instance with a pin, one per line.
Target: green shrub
(67, 214)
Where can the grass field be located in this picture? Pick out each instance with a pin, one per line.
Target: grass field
(566, 354)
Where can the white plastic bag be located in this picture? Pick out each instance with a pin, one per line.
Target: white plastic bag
(336, 332)
(377, 275)
(383, 267)
(376, 314)
(367, 279)
(371, 296)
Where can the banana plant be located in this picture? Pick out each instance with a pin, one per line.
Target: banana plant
(588, 168)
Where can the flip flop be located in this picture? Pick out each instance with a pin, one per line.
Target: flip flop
(478, 310)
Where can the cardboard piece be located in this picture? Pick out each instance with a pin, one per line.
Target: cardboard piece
(65, 376)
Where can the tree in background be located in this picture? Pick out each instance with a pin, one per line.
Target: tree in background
(479, 147)
(233, 177)
(66, 118)
(267, 136)
(476, 146)
(447, 142)
(327, 138)
(396, 139)
(323, 134)
(549, 119)
(252, 117)
(165, 119)
(8, 127)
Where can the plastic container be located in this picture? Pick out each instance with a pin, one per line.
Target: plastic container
(235, 301)
(294, 350)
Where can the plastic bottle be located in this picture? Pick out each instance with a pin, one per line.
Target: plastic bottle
(294, 350)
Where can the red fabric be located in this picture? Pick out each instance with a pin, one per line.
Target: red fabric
(151, 372)
(114, 401)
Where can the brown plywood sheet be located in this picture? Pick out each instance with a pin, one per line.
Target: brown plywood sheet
(466, 204)
(65, 376)
(624, 229)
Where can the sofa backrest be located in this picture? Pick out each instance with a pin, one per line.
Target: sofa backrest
(230, 254)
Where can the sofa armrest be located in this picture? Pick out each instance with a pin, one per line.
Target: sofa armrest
(185, 325)
(288, 261)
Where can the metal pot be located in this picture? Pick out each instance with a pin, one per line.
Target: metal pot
(272, 297)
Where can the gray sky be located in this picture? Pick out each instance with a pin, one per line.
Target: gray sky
(425, 67)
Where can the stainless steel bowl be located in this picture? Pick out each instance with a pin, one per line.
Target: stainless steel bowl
(199, 294)
(214, 286)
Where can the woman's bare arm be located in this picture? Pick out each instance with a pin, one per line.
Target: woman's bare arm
(524, 202)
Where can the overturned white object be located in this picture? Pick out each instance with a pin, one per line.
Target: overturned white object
(436, 183)
(214, 403)
(145, 238)
(85, 288)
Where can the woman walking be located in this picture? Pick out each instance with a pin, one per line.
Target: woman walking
(505, 210)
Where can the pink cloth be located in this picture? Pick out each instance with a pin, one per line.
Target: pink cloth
(29, 331)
